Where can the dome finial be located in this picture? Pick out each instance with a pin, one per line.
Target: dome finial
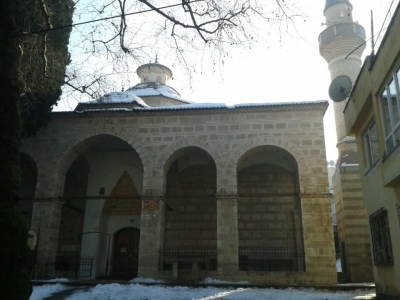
(156, 58)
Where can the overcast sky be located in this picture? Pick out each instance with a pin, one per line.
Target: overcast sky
(273, 70)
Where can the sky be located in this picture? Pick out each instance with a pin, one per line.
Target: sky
(274, 70)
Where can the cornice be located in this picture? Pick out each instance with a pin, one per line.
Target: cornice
(317, 106)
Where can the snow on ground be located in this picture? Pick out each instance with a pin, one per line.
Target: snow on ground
(338, 265)
(116, 291)
(43, 291)
(216, 281)
(57, 280)
(362, 284)
(146, 280)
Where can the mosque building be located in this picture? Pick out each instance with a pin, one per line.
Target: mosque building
(144, 183)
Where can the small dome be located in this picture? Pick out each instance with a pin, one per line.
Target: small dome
(151, 89)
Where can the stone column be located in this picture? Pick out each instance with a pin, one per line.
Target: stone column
(152, 225)
(227, 234)
(46, 217)
(319, 245)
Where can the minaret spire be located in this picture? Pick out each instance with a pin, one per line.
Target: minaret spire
(336, 42)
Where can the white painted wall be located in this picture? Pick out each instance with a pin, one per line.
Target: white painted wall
(105, 170)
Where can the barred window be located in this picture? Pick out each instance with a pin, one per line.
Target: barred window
(380, 232)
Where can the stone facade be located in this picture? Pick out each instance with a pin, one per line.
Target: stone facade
(218, 178)
(337, 45)
(352, 224)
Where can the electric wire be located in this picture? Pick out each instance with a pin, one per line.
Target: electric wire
(362, 44)
(390, 7)
(380, 31)
(98, 20)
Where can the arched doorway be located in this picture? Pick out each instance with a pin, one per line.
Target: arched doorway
(102, 188)
(126, 252)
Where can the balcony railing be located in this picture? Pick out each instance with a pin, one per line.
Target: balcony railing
(341, 30)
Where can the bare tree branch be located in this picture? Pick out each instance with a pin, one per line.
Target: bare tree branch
(183, 34)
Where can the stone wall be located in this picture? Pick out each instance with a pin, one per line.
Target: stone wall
(267, 221)
(266, 214)
(318, 238)
(353, 227)
(226, 136)
(192, 218)
(198, 180)
(266, 179)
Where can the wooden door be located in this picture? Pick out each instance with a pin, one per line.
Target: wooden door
(126, 252)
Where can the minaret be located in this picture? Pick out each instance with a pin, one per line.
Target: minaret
(342, 44)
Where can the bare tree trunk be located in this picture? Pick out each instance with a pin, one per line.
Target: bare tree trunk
(14, 253)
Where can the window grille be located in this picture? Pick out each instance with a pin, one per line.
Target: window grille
(380, 232)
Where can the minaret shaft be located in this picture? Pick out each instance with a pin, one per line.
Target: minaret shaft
(342, 44)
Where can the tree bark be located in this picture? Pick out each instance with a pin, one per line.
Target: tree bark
(14, 253)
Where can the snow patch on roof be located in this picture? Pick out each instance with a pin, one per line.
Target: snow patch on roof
(105, 109)
(223, 105)
(118, 97)
(279, 103)
(155, 89)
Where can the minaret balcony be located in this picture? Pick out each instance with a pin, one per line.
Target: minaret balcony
(341, 30)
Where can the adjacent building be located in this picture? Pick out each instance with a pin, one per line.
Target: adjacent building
(372, 116)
